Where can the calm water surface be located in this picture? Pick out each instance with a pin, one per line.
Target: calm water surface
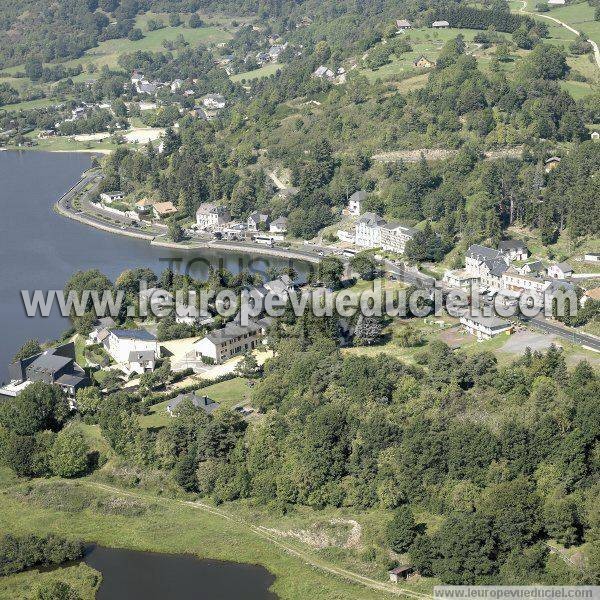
(130, 575)
(41, 250)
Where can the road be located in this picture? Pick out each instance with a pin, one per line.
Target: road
(547, 326)
(566, 26)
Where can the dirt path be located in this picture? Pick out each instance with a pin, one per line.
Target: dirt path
(276, 180)
(266, 535)
(563, 24)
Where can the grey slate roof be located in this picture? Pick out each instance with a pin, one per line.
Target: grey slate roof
(482, 252)
(360, 196)
(492, 321)
(564, 266)
(204, 402)
(141, 355)
(496, 266)
(134, 334)
(506, 245)
(371, 219)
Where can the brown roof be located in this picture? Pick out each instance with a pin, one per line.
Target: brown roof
(593, 294)
(401, 569)
(165, 208)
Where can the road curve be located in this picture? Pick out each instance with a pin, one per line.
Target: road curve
(563, 24)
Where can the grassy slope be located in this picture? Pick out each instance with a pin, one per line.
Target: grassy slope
(226, 393)
(177, 526)
(82, 578)
(265, 71)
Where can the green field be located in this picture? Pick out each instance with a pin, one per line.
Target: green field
(226, 393)
(177, 526)
(265, 71)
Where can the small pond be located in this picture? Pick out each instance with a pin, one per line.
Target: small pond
(132, 575)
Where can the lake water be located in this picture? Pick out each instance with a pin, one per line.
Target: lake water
(41, 250)
(130, 575)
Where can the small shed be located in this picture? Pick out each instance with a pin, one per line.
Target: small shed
(401, 572)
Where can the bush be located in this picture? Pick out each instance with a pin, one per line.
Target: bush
(21, 553)
(69, 454)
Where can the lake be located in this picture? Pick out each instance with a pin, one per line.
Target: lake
(41, 250)
(131, 575)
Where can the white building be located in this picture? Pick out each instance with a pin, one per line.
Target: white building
(394, 237)
(209, 216)
(486, 264)
(592, 257)
(355, 203)
(324, 73)
(279, 225)
(141, 361)
(514, 249)
(258, 221)
(222, 344)
(121, 342)
(514, 281)
(595, 135)
(534, 267)
(440, 24)
(368, 230)
(560, 270)
(485, 328)
(110, 197)
(214, 101)
(458, 278)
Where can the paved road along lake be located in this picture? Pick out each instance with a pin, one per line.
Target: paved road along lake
(41, 250)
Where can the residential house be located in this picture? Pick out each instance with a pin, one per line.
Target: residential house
(595, 135)
(535, 267)
(593, 294)
(592, 257)
(144, 206)
(514, 249)
(423, 63)
(222, 344)
(176, 85)
(262, 58)
(355, 202)
(485, 328)
(394, 237)
(199, 113)
(368, 230)
(440, 24)
(214, 101)
(279, 225)
(121, 342)
(403, 24)
(101, 330)
(208, 405)
(209, 216)
(324, 73)
(556, 2)
(163, 210)
(54, 366)
(110, 197)
(560, 270)
(275, 51)
(280, 286)
(141, 361)
(551, 163)
(258, 221)
(458, 278)
(147, 87)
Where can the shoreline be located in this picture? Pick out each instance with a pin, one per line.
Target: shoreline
(241, 247)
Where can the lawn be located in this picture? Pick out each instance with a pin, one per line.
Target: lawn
(226, 393)
(175, 526)
(82, 578)
(265, 71)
